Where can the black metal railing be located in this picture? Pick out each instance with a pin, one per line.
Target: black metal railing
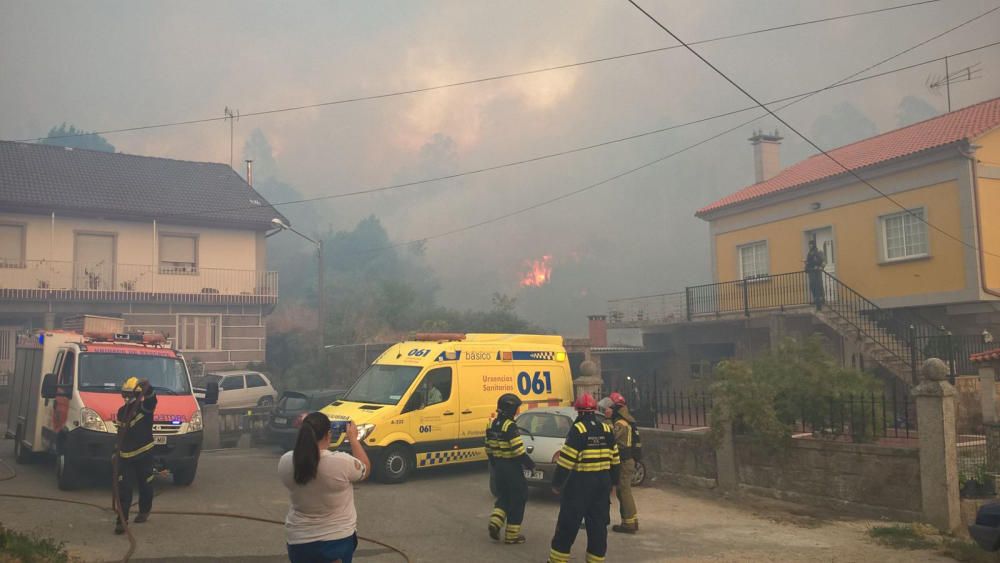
(859, 418)
(677, 410)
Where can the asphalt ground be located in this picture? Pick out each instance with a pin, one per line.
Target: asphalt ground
(439, 515)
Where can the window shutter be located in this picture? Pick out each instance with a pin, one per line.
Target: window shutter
(177, 249)
(11, 244)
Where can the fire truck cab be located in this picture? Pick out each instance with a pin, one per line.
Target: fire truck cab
(66, 393)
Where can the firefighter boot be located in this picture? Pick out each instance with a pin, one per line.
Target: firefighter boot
(119, 527)
(141, 517)
(625, 528)
(497, 519)
(513, 535)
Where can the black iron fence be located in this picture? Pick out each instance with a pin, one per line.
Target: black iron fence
(861, 418)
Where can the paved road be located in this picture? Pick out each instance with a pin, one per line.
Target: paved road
(439, 515)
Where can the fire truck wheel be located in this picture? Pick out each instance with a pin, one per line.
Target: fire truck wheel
(21, 454)
(184, 476)
(397, 463)
(67, 474)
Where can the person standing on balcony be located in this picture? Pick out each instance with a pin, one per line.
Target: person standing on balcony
(815, 266)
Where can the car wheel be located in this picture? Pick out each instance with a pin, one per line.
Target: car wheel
(67, 474)
(22, 455)
(184, 476)
(265, 401)
(396, 464)
(640, 474)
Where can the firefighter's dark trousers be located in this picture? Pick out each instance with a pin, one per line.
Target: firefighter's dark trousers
(585, 497)
(816, 287)
(132, 472)
(512, 494)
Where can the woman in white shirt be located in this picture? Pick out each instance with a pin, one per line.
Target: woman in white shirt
(321, 525)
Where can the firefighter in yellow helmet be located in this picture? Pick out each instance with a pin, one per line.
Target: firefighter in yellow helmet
(135, 449)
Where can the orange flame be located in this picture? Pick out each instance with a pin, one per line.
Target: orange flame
(539, 272)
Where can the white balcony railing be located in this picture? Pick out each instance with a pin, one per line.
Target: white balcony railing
(48, 279)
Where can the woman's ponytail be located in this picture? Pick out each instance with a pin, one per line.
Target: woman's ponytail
(305, 457)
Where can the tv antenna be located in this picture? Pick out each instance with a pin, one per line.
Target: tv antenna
(233, 115)
(966, 74)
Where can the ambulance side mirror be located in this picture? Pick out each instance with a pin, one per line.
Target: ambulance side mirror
(49, 388)
(211, 392)
(415, 403)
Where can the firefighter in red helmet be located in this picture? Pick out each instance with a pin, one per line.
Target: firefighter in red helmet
(629, 449)
(587, 467)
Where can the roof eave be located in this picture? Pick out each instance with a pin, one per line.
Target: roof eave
(244, 224)
(836, 181)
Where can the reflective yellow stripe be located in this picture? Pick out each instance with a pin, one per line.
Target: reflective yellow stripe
(591, 558)
(506, 424)
(150, 478)
(580, 427)
(570, 451)
(606, 427)
(558, 556)
(134, 453)
(135, 419)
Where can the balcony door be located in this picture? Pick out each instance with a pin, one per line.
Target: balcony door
(825, 243)
(94, 265)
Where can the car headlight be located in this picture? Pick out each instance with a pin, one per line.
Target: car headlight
(90, 420)
(195, 424)
(365, 430)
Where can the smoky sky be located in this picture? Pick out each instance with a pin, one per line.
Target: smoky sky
(105, 65)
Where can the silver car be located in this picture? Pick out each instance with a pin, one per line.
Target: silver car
(544, 431)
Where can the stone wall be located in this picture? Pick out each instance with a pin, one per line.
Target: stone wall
(683, 458)
(878, 480)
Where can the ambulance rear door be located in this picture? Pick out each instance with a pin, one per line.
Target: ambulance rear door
(482, 383)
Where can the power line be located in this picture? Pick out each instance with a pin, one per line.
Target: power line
(793, 98)
(803, 137)
(675, 153)
(485, 79)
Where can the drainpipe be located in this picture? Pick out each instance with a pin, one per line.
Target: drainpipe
(52, 237)
(970, 154)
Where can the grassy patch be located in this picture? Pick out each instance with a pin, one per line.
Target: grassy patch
(969, 552)
(15, 546)
(902, 537)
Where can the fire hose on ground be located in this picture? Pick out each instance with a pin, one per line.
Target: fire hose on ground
(131, 538)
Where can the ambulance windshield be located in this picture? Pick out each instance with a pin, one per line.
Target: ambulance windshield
(382, 384)
(107, 372)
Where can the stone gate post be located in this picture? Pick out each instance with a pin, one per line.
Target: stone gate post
(935, 399)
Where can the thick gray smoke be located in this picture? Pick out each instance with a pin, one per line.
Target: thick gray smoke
(121, 64)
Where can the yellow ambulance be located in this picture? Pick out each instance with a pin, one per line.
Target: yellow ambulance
(427, 402)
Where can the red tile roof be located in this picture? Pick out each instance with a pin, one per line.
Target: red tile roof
(988, 356)
(966, 123)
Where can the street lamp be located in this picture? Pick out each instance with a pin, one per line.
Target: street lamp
(320, 297)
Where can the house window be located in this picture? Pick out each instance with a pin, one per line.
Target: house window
(904, 235)
(199, 332)
(11, 246)
(178, 254)
(753, 260)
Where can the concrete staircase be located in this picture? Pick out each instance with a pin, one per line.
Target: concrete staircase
(875, 342)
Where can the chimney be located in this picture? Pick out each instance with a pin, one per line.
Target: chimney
(250, 172)
(766, 155)
(598, 331)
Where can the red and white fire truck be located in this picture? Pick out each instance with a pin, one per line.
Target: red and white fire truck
(66, 393)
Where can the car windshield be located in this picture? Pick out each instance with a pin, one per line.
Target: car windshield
(107, 372)
(382, 384)
(545, 425)
(293, 402)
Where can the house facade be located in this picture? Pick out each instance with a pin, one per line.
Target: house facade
(912, 260)
(170, 246)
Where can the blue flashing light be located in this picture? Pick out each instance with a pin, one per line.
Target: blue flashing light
(41, 338)
(175, 422)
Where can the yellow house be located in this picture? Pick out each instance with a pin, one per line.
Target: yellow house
(912, 260)
(931, 237)
(170, 246)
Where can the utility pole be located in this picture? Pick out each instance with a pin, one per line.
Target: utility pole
(232, 115)
(947, 82)
(321, 305)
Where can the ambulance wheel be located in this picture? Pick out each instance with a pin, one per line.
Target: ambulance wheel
(184, 476)
(67, 474)
(397, 463)
(22, 455)
(640, 474)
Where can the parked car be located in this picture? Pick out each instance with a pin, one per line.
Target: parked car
(291, 408)
(238, 388)
(544, 431)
